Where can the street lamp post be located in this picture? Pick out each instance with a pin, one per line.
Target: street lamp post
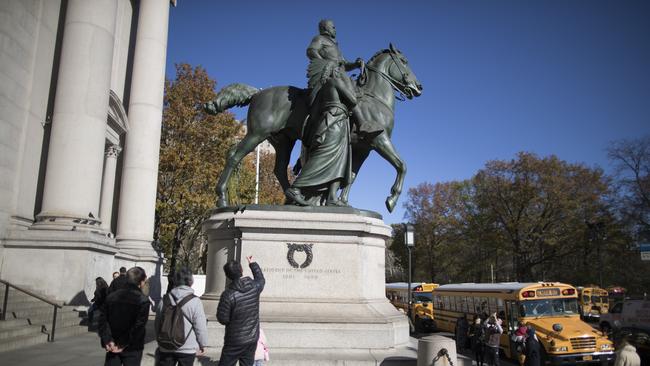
(409, 240)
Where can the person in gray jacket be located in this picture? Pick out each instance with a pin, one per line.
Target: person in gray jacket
(195, 323)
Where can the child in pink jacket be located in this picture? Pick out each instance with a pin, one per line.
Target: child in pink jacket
(262, 351)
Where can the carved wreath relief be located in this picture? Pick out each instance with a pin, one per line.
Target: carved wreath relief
(293, 248)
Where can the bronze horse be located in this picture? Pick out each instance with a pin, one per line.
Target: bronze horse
(279, 113)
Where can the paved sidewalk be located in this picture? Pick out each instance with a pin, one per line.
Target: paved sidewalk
(85, 350)
(79, 350)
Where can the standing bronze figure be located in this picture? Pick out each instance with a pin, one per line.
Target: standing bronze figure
(280, 114)
(326, 136)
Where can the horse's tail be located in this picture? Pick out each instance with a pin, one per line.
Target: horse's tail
(234, 95)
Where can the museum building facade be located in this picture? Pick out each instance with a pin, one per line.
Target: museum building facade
(81, 96)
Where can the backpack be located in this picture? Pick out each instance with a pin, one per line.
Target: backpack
(171, 332)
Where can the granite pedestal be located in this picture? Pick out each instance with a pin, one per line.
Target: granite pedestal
(324, 270)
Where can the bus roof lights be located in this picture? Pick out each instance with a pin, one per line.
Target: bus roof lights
(528, 294)
(568, 291)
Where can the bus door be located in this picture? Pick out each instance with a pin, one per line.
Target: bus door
(512, 320)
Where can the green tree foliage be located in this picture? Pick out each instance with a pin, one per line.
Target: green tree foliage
(541, 207)
(528, 219)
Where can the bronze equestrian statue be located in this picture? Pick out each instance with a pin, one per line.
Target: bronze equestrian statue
(281, 115)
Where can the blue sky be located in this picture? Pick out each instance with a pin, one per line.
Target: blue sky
(549, 77)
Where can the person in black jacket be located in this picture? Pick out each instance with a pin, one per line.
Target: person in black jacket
(101, 288)
(119, 282)
(532, 349)
(122, 321)
(239, 311)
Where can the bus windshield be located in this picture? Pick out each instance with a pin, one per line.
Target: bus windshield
(599, 299)
(422, 297)
(549, 307)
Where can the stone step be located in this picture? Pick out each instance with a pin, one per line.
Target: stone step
(44, 313)
(20, 331)
(24, 341)
(62, 320)
(11, 323)
(71, 331)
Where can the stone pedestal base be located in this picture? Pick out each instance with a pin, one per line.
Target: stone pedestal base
(324, 270)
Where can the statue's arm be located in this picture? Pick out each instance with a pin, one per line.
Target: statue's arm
(353, 65)
(314, 47)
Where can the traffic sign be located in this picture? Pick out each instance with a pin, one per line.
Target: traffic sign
(645, 256)
(644, 247)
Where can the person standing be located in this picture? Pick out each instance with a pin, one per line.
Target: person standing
(195, 323)
(520, 342)
(493, 331)
(122, 321)
(239, 311)
(626, 354)
(262, 350)
(101, 288)
(462, 328)
(476, 334)
(532, 350)
(119, 282)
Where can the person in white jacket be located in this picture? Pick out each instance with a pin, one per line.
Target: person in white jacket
(195, 323)
(626, 354)
(493, 331)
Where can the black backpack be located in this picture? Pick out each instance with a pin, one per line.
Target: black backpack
(171, 332)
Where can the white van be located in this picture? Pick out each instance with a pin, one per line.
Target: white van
(628, 313)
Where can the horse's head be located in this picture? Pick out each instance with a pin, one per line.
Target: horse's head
(394, 65)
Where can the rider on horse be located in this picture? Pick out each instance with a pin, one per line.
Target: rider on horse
(332, 95)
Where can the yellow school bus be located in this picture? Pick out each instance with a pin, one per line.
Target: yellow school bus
(594, 301)
(551, 308)
(421, 311)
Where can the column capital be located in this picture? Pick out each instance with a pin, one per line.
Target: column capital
(113, 151)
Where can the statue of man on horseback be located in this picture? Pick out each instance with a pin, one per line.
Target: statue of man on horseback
(321, 117)
(326, 160)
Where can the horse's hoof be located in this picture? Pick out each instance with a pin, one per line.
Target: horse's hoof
(390, 203)
(294, 195)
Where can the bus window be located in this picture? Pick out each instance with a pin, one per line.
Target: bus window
(493, 305)
(483, 306)
(585, 299)
(598, 299)
(438, 301)
(550, 307)
(470, 305)
(453, 302)
(445, 302)
(422, 297)
(463, 304)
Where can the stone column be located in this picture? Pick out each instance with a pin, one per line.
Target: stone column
(140, 166)
(75, 156)
(108, 186)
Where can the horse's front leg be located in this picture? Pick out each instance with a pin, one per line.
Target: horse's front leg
(384, 147)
